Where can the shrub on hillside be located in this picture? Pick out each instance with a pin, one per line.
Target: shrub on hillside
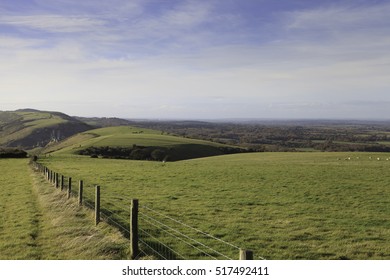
(158, 154)
(12, 153)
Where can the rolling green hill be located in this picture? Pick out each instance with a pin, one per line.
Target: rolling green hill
(43, 131)
(29, 128)
(128, 142)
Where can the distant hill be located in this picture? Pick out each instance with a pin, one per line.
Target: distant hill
(104, 122)
(30, 128)
(127, 142)
(48, 132)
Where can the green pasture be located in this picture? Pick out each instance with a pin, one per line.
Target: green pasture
(129, 137)
(38, 222)
(19, 215)
(281, 205)
(123, 136)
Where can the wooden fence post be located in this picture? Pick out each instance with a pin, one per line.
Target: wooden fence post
(134, 228)
(62, 182)
(56, 180)
(97, 205)
(246, 254)
(81, 185)
(69, 187)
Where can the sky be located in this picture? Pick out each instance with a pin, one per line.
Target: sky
(197, 59)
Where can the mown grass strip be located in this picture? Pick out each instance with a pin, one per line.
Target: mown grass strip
(39, 222)
(20, 217)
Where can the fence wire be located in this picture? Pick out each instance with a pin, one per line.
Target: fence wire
(159, 234)
(179, 236)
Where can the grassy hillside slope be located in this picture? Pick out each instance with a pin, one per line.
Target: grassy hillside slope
(38, 222)
(143, 140)
(30, 128)
(281, 205)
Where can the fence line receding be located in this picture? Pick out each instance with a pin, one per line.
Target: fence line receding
(150, 232)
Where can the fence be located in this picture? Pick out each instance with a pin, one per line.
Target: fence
(150, 232)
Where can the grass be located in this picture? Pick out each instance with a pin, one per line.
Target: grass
(127, 137)
(124, 136)
(281, 205)
(19, 215)
(38, 222)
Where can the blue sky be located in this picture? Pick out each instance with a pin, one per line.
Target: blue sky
(197, 59)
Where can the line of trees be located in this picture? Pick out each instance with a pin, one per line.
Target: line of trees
(156, 153)
(12, 153)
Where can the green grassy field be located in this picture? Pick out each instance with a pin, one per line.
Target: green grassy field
(38, 222)
(19, 216)
(123, 136)
(281, 205)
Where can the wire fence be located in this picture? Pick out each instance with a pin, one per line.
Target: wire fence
(159, 235)
(180, 237)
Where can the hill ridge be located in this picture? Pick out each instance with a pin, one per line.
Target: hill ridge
(31, 128)
(127, 142)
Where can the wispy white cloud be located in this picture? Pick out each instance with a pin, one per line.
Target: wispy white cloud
(14, 43)
(339, 17)
(113, 8)
(187, 15)
(53, 23)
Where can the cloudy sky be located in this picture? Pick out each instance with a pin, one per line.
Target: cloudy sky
(197, 59)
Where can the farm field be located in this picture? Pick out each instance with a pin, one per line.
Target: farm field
(37, 222)
(309, 205)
